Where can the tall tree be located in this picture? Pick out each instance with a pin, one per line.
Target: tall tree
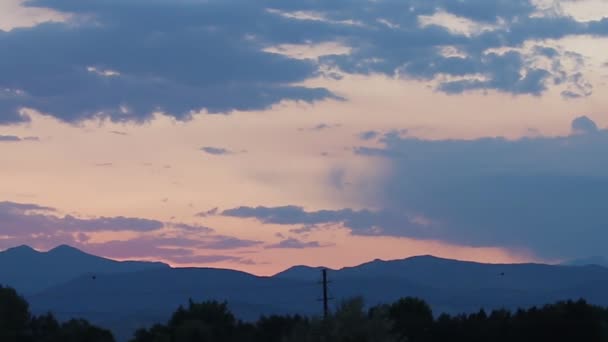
(412, 319)
(14, 315)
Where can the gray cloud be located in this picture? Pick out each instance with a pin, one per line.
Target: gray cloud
(369, 135)
(323, 126)
(542, 194)
(188, 228)
(125, 60)
(285, 215)
(14, 138)
(178, 250)
(119, 133)
(373, 135)
(568, 94)
(26, 219)
(147, 57)
(292, 243)
(210, 259)
(137, 248)
(216, 151)
(546, 194)
(9, 138)
(6, 206)
(20, 219)
(320, 127)
(583, 124)
(415, 51)
(226, 242)
(210, 212)
(177, 242)
(505, 73)
(360, 222)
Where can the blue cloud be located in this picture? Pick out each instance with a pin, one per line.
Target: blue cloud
(227, 242)
(583, 124)
(217, 151)
(9, 138)
(292, 243)
(125, 60)
(369, 135)
(360, 222)
(14, 138)
(134, 58)
(546, 195)
(26, 219)
(40, 226)
(505, 74)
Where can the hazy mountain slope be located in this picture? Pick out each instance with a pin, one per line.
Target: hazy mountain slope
(302, 273)
(593, 260)
(124, 302)
(125, 296)
(30, 271)
(462, 275)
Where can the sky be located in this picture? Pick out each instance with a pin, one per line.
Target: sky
(257, 135)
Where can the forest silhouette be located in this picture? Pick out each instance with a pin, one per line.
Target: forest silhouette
(408, 319)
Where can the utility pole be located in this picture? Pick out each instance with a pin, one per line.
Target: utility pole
(326, 298)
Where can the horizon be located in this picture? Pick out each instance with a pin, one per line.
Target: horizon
(569, 263)
(132, 301)
(259, 135)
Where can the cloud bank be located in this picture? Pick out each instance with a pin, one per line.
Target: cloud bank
(174, 242)
(125, 60)
(546, 195)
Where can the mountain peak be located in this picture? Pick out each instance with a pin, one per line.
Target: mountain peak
(66, 249)
(419, 258)
(23, 249)
(427, 257)
(301, 272)
(30, 271)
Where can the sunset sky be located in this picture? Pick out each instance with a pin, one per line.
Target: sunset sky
(257, 135)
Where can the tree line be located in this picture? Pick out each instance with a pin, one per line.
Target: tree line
(406, 320)
(17, 324)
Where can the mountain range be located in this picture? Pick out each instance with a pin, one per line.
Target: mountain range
(124, 296)
(31, 271)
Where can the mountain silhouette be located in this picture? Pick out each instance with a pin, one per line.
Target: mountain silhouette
(124, 296)
(464, 275)
(301, 272)
(32, 271)
(593, 260)
(127, 301)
